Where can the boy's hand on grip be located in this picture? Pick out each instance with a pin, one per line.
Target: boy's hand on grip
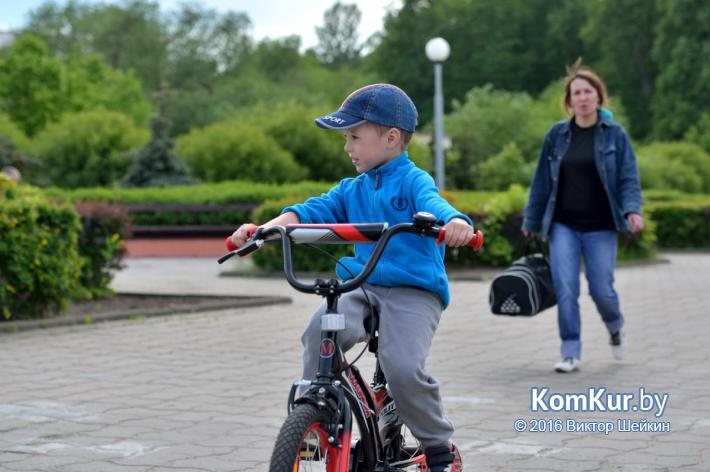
(244, 232)
(458, 233)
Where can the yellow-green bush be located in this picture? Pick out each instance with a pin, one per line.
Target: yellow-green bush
(40, 266)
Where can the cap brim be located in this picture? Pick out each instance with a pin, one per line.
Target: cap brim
(339, 120)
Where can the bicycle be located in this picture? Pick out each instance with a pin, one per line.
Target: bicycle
(317, 433)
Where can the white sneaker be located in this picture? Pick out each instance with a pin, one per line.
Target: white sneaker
(618, 344)
(568, 364)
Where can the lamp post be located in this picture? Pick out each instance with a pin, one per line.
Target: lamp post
(437, 50)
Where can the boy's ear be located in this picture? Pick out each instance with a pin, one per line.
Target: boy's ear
(394, 136)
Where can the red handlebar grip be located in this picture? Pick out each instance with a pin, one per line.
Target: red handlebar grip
(476, 242)
(230, 244)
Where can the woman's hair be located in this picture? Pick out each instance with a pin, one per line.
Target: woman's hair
(578, 71)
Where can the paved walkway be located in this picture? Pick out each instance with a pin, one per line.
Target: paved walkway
(206, 392)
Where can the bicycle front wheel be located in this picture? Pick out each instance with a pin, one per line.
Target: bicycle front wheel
(302, 444)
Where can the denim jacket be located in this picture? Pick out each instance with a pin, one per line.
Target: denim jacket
(615, 162)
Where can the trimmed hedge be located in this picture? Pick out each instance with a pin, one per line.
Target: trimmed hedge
(682, 219)
(226, 193)
(40, 266)
(234, 191)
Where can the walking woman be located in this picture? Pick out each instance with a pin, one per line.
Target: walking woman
(586, 190)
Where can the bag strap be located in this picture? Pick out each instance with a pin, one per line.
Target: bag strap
(529, 245)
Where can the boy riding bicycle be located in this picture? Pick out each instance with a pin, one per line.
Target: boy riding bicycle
(409, 287)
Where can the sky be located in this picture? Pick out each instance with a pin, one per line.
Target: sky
(269, 18)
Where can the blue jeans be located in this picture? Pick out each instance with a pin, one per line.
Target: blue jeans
(598, 248)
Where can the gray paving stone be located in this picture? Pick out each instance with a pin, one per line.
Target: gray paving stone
(207, 392)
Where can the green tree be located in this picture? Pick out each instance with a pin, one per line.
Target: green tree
(277, 59)
(155, 164)
(64, 28)
(88, 83)
(11, 133)
(132, 35)
(513, 45)
(681, 49)
(486, 122)
(338, 37)
(30, 84)
(203, 44)
(619, 34)
(36, 89)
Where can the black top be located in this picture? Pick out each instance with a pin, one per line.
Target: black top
(582, 203)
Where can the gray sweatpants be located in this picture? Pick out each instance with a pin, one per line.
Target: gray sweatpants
(408, 320)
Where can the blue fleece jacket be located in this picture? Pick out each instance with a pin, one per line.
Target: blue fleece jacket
(390, 193)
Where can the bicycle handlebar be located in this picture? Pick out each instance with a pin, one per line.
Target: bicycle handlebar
(424, 224)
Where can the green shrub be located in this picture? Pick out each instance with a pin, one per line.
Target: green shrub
(88, 148)
(40, 267)
(319, 151)
(104, 227)
(678, 165)
(682, 224)
(504, 169)
(499, 221)
(468, 201)
(270, 256)
(699, 133)
(487, 121)
(229, 150)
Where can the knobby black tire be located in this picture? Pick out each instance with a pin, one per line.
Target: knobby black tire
(288, 442)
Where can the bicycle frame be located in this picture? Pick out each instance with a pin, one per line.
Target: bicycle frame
(339, 386)
(342, 386)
